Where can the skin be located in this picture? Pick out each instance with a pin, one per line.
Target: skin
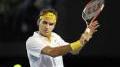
(46, 26)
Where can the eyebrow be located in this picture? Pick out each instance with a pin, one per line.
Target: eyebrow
(45, 22)
(51, 23)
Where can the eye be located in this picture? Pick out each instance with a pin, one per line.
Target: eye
(44, 22)
(51, 24)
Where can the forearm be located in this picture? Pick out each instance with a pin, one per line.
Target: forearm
(79, 44)
(56, 51)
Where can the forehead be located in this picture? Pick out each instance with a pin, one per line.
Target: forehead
(48, 21)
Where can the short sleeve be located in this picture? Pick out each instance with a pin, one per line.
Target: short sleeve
(34, 47)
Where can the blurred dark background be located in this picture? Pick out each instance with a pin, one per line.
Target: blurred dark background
(18, 22)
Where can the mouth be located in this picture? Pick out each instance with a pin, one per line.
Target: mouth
(46, 31)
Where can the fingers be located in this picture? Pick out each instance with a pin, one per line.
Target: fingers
(93, 19)
(93, 26)
(94, 23)
(96, 26)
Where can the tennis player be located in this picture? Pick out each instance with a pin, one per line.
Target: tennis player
(45, 48)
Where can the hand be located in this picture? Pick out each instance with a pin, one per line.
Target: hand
(93, 26)
(90, 30)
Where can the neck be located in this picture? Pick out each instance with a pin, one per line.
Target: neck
(47, 36)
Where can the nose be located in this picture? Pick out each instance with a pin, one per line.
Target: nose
(47, 26)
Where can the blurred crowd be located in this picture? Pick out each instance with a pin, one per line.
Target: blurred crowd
(17, 17)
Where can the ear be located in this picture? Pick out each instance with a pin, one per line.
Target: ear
(38, 21)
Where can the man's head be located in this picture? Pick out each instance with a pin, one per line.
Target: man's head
(47, 21)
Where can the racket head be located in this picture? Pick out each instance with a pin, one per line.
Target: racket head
(92, 10)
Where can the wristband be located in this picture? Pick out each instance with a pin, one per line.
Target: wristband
(75, 45)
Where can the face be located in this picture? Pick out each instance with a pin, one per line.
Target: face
(46, 27)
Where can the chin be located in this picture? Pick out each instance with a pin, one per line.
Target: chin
(46, 34)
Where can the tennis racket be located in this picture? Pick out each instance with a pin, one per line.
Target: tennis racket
(92, 9)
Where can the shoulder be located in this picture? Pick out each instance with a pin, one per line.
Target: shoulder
(55, 34)
(34, 39)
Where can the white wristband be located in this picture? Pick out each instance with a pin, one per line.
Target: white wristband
(88, 30)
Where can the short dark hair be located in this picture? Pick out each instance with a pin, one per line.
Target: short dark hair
(44, 11)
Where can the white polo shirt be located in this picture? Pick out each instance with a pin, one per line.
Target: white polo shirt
(36, 43)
